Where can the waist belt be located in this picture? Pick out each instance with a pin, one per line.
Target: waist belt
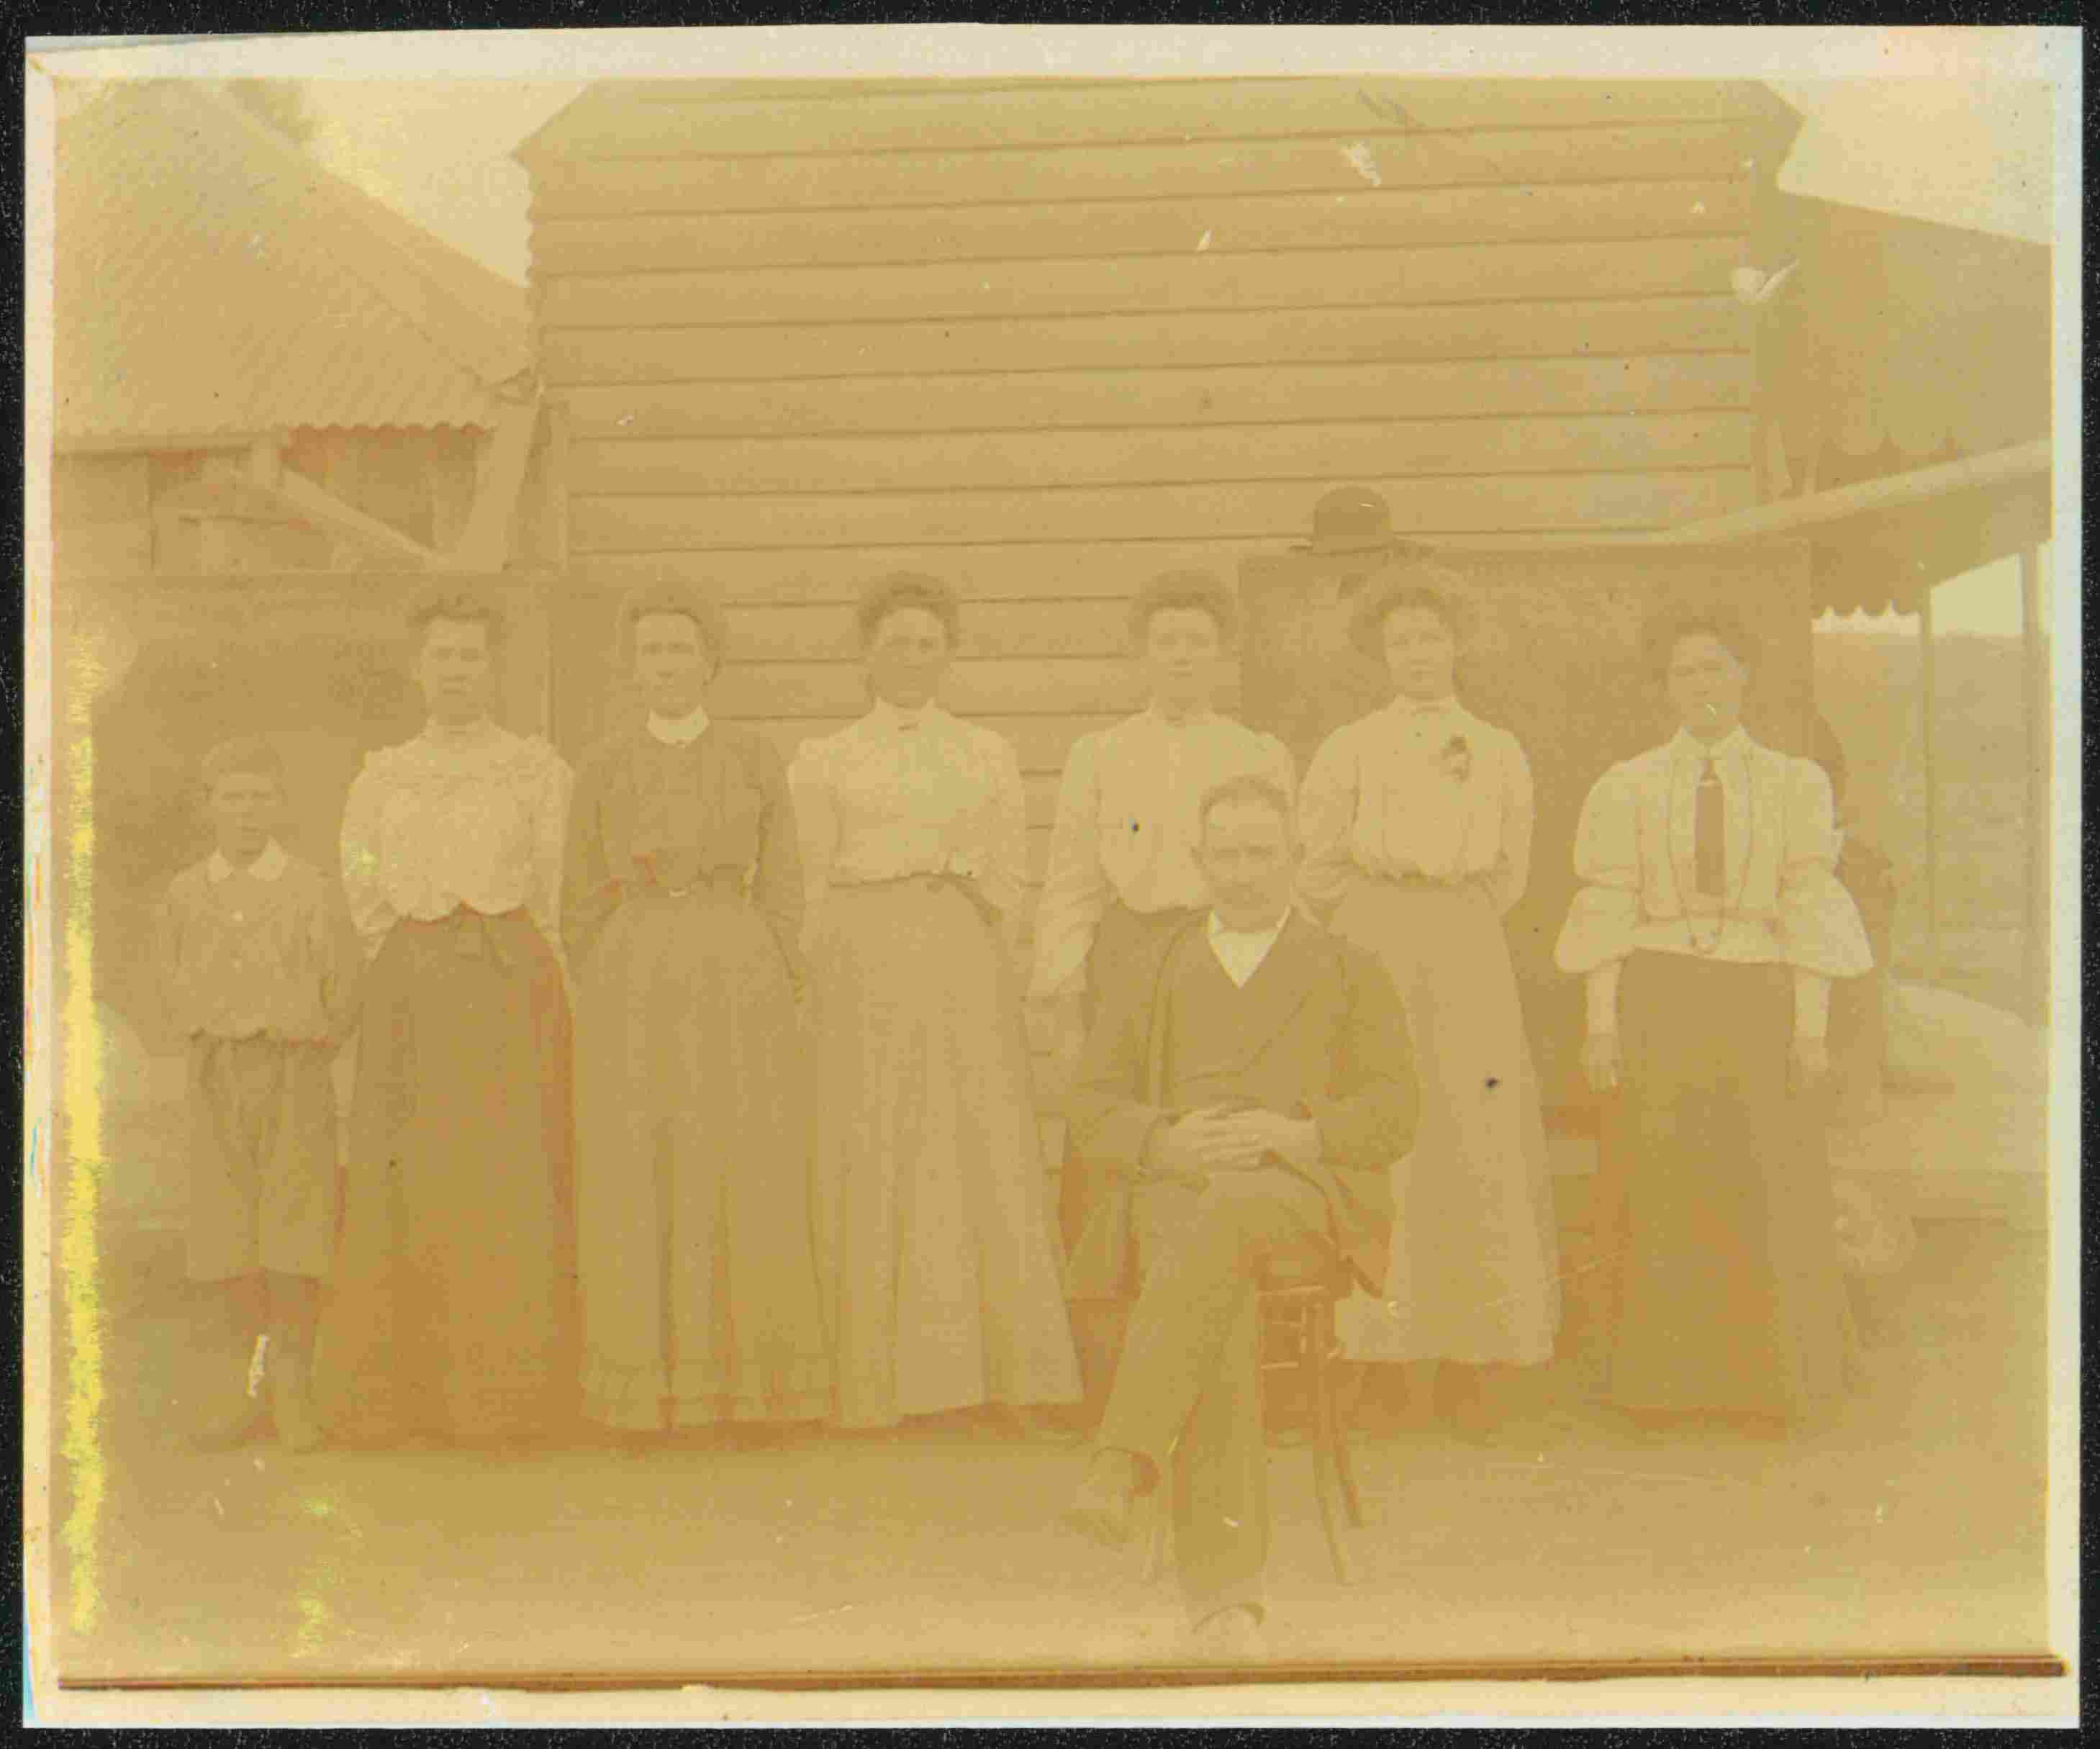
(472, 937)
(726, 881)
(1420, 883)
(933, 883)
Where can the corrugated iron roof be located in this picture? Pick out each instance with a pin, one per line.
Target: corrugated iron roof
(212, 279)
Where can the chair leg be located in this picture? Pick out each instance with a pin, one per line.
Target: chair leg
(1327, 1466)
(1344, 1472)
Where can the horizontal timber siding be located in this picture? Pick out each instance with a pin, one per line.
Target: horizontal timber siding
(1103, 284)
(665, 124)
(1283, 450)
(1187, 398)
(1275, 341)
(694, 522)
(1219, 224)
(1048, 339)
(603, 188)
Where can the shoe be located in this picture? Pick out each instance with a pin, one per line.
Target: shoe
(291, 1404)
(1102, 1508)
(1230, 1636)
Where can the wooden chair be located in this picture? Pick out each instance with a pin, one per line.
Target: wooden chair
(1297, 1338)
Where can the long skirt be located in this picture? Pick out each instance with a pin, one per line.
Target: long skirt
(698, 1262)
(451, 1313)
(939, 1274)
(1716, 1224)
(1473, 1274)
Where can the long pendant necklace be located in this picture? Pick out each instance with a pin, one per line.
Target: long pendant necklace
(1706, 948)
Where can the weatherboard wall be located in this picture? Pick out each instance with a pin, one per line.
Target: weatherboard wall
(1046, 340)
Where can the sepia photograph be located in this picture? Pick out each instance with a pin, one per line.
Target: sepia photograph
(1053, 861)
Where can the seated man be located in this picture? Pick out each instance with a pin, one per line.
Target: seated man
(1250, 1092)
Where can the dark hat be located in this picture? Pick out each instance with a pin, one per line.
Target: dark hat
(1355, 520)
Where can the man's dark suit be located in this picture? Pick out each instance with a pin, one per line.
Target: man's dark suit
(1317, 1031)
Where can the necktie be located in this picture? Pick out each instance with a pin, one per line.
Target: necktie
(1709, 842)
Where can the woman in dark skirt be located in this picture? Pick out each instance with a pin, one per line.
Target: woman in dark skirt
(451, 1309)
(1709, 926)
(681, 911)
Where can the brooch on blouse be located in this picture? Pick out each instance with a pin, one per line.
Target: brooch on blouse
(1456, 759)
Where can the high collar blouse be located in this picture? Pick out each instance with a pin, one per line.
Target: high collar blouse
(1781, 900)
(1417, 790)
(468, 817)
(679, 731)
(1126, 826)
(650, 811)
(898, 794)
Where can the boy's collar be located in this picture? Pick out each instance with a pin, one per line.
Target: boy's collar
(266, 867)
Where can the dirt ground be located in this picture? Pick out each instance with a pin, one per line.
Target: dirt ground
(1912, 1523)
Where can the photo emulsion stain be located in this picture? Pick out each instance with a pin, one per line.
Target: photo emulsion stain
(1075, 880)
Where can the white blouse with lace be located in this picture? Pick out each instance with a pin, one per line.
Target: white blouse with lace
(901, 793)
(469, 816)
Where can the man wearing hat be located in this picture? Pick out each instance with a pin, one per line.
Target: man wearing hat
(1355, 522)
(1331, 682)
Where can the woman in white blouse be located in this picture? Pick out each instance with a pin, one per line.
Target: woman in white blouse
(936, 1264)
(1417, 825)
(1708, 927)
(451, 1309)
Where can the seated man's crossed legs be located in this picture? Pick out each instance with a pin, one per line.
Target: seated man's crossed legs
(1188, 1390)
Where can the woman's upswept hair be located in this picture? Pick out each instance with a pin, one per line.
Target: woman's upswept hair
(688, 601)
(1418, 584)
(1668, 631)
(460, 604)
(1196, 591)
(908, 589)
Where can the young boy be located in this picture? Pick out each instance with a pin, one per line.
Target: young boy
(257, 963)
